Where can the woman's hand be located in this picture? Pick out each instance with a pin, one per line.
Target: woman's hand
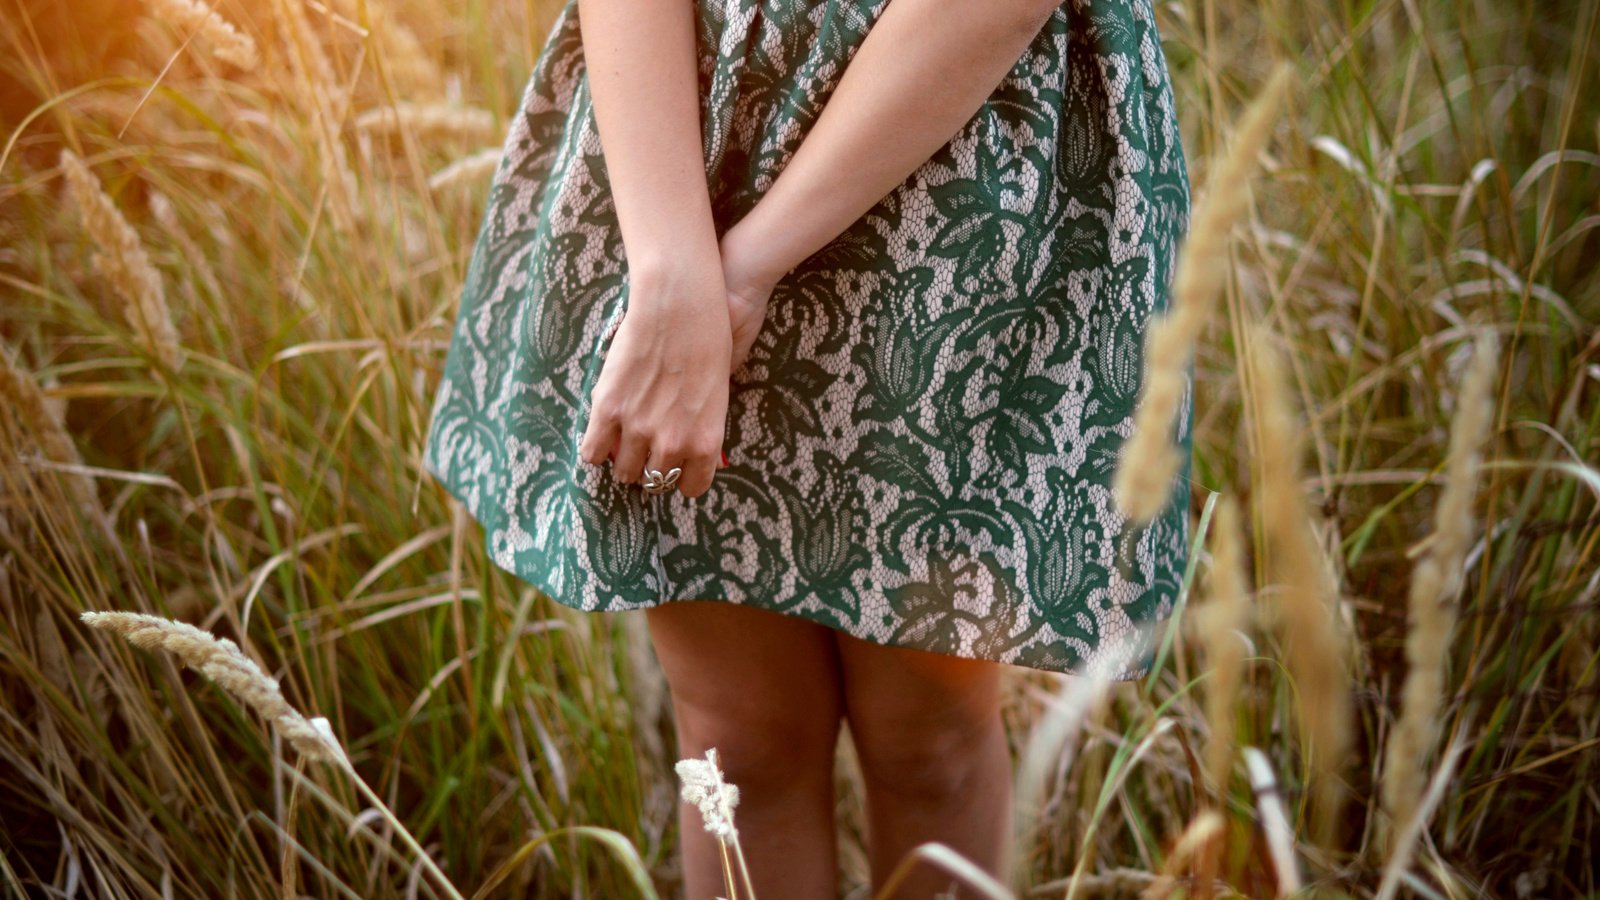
(662, 396)
(749, 287)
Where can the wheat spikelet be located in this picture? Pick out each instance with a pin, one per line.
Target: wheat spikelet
(468, 170)
(428, 120)
(1221, 625)
(21, 394)
(322, 98)
(1150, 461)
(221, 660)
(121, 259)
(1435, 585)
(401, 54)
(167, 217)
(1314, 641)
(227, 43)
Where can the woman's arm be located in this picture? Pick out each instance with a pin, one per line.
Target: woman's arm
(640, 57)
(923, 70)
(662, 395)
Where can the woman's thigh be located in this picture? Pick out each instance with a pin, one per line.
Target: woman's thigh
(742, 676)
(917, 717)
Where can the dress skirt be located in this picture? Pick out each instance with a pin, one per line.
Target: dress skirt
(923, 438)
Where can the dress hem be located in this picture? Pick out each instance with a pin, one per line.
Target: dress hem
(538, 578)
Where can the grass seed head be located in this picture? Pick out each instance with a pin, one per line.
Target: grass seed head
(221, 660)
(121, 260)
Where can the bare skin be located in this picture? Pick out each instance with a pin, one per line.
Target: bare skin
(769, 690)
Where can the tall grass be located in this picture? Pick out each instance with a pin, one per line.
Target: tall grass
(248, 462)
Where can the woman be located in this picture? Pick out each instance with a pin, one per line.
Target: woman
(893, 263)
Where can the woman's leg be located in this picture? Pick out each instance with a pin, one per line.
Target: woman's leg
(763, 688)
(934, 758)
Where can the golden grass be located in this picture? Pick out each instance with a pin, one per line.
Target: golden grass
(121, 259)
(27, 403)
(1303, 606)
(217, 370)
(1222, 625)
(1143, 483)
(198, 18)
(1434, 596)
(220, 660)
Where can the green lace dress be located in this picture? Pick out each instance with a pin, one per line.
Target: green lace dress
(923, 438)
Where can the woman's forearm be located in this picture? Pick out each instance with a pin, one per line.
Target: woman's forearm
(640, 58)
(922, 71)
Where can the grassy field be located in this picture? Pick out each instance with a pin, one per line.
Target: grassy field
(223, 310)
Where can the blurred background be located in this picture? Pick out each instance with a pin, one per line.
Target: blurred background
(223, 311)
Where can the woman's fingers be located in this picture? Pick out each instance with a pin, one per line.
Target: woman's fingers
(632, 450)
(662, 390)
(699, 470)
(600, 438)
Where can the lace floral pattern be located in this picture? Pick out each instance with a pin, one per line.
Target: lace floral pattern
(923, 438)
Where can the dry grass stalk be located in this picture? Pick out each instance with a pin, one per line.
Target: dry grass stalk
(1150, 461)
(322, 98)
(167, 217)
(227, 43)
(1275, 827)
(121, 259)
(1435, 586)
(468, 170)
(221, 660)
(401, 54)
(1051, 747)
(428, 120)
(471, 169)
(21, 394)
(1315, 645)
(1205, 830)
(1221, 624)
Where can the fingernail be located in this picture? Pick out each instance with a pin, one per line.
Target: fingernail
(724, 458)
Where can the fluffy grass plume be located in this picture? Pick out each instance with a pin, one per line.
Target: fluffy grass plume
(120, 258)
(705, 789)
(197, 17)
(221, 660)
(1222, 625)
(1435, 585)
(1144, 478)
(1304, 608)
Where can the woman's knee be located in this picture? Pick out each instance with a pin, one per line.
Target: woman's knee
(934, 755)
(759, 746)
(923, 725)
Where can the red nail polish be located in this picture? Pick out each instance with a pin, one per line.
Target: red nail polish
(724, 457)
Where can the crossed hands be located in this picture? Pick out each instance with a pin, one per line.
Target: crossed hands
(662, 396)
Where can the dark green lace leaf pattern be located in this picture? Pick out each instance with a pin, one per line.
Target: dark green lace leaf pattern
(924, 437)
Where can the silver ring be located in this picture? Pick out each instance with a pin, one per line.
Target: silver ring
(656, 483)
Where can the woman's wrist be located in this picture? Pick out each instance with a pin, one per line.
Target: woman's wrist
(670, 273)
(748, 264)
